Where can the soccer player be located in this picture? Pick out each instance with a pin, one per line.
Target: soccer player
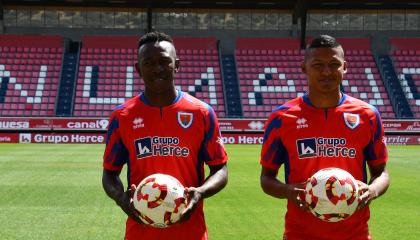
(324, 128)
(164, 130)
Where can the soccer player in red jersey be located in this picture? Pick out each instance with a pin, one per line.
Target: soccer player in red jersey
(167, 131)
(324, 128)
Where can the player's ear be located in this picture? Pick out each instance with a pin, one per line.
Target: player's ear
(344, 67)
(137, 67)
(177, 65)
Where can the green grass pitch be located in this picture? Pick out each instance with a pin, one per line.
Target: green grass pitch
(54, 192)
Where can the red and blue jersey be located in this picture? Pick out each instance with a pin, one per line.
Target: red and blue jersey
(306, 139)
(176, 140)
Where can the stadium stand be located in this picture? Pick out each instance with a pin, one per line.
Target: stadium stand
(270, 74)
(405, 53)
(107, 76)
(30, 67)
(362, 79)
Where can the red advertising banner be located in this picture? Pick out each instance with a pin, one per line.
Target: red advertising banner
(257, 138)
(226, 125)
(228, 138)
(245, 125)
(9, 137)
(78, 124)
(401, 125)
(43, 137)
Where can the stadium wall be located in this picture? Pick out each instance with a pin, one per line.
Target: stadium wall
(93, 130)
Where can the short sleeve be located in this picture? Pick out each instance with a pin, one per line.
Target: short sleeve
(273, 152)
(376, 152)
(212, 150)
(116, 154)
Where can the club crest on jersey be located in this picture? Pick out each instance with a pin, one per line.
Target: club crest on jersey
(185, 119)
(351, 120)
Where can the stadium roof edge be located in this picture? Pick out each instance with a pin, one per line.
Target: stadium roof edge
(230, 4)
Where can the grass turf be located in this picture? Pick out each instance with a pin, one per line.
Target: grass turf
(54, 192)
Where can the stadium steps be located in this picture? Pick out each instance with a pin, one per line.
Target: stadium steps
(393, 86)
(231, 86)
(68, 81)
(412, 85)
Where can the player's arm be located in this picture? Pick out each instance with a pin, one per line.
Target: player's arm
(378, 184)
(379, 178)
(274, 187)
(215, 182)
(114, 188)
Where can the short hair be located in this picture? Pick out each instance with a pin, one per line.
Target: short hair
(152, 37)
(322, 41)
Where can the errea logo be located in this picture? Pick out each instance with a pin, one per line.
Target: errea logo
(301, 123)
(138, 123)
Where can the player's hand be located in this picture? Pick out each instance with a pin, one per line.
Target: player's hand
(126, 204)
(366, 194)
(296, 194)
(194, 197)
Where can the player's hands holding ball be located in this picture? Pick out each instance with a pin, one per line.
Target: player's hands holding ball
(366, 194)
(126, 203)
(296, 194)
(194, 195)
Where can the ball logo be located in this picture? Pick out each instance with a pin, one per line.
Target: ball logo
(335, 196)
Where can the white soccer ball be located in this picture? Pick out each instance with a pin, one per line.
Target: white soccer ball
(332, 194)
(160, 200)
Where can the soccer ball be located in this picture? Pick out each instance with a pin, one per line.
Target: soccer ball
(160, 200)
(332, 194)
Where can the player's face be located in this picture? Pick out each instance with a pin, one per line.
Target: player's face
(324, 68)
(157, 65)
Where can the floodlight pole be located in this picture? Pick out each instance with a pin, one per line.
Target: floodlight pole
(149, 19)
(301, 12)
(1, 18)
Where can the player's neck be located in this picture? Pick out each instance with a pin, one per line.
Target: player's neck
(324, 100)
(161, 99)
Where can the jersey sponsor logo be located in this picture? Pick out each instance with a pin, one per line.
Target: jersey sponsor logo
(185, 119)
(301, 123)
(143, 147)
(351, 120)
(138, 123)
(306, 147)
(159, 146)
(324, 147)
